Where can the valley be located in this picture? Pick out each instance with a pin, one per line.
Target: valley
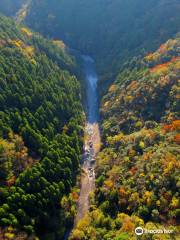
(89, 119)
(125, 195)
(91, 139)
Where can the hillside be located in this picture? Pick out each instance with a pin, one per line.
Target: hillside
(137, 170)
(41, 120)
(110, 31)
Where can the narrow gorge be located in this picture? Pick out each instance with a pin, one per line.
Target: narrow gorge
(91, 139)
(89, 119)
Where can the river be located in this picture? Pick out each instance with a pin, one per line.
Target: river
(92, 138)
(91, 79)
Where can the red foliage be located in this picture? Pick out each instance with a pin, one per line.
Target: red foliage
(177, 139)
(175, 125)
(133, 170)
(122, 192)
(163, 65)
(75, 196)
(174, 59)
(167, 127)
(162, 48)
(159, 67)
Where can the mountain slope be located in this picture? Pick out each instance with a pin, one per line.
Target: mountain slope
(39, 101)
(137, 171)
(110, 31)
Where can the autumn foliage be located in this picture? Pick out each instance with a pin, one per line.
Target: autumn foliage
(138, 166)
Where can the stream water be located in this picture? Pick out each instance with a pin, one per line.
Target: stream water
(91, 79)
(92, 139)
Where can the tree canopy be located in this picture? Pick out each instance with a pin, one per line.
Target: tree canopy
(41, 131)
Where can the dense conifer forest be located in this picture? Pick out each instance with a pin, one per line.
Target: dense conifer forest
(40, 129)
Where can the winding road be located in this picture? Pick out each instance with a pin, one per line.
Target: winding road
(92, 139)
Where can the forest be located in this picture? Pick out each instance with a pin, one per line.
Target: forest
(110, 31)
(41, 122)
(137, 169)
(134, 46)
